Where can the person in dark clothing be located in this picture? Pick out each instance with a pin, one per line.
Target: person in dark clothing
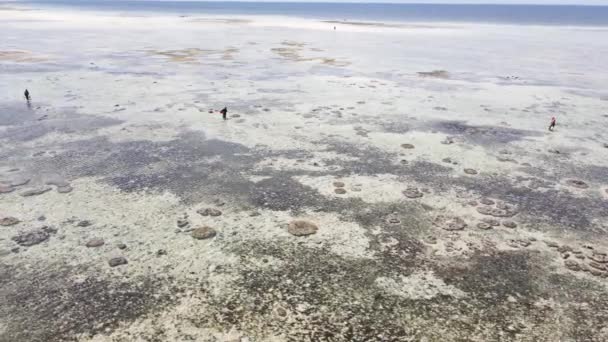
(27, 95)
(224, 112)
(552, 124)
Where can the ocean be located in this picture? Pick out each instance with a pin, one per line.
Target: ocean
(491, 14)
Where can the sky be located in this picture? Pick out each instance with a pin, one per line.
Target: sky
(514, 2)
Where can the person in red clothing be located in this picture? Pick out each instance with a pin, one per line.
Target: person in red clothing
(552, 124)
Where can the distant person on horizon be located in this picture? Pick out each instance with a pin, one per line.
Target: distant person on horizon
(224, 112)
(26, 93)
(552, 124)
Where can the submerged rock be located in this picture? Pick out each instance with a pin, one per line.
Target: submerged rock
(407, 146)
(117, 261)
(36, 191)
(484, 226)
(84, 223)
(64, 189)
(412, 193)
(338, 184)
(486, 201)
(182, 223)
(509, 224)
(470, 171)
(577, 183)
(8, 221)
(302, 228)
(203, 232)
(340, 191)
(31, 238)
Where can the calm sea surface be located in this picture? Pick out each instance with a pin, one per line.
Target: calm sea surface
(500, 14)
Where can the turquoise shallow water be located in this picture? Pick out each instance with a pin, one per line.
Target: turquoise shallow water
(499, 14)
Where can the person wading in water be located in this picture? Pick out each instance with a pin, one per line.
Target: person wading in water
(224, 112)
(552, 124)
(26, 93)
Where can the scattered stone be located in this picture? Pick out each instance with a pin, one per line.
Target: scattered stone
(509, 224)
(84, 223)
(393, 220)
(447, 141)
(96, 242)
(31, 238)
(254, 214)
(36, 191)
(551, 244)
(431, 240)
(121, 246)
(203, 232)
(564, 249)
(8, 221)
(484, 226)
(572, 265)
(181, 223)
(412, 193)
(492, 222)
(447, 160)
(407, 146)
(486, 201)
(470, 171)
(302, 228)
(565, 255)
(340, 191)
(64, 189)
(117, 261)
(524, 243)
(338, 184)
(161, 252)
(209, 212)
(577, 183)
(41, 218)
(449, 223)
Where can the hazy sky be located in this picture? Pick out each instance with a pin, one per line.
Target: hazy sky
(537, 2)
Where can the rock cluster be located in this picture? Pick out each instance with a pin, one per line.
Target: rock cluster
(32, 237)
(592, 261)
(500, 209)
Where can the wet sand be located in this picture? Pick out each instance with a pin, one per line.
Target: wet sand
(372, 183)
